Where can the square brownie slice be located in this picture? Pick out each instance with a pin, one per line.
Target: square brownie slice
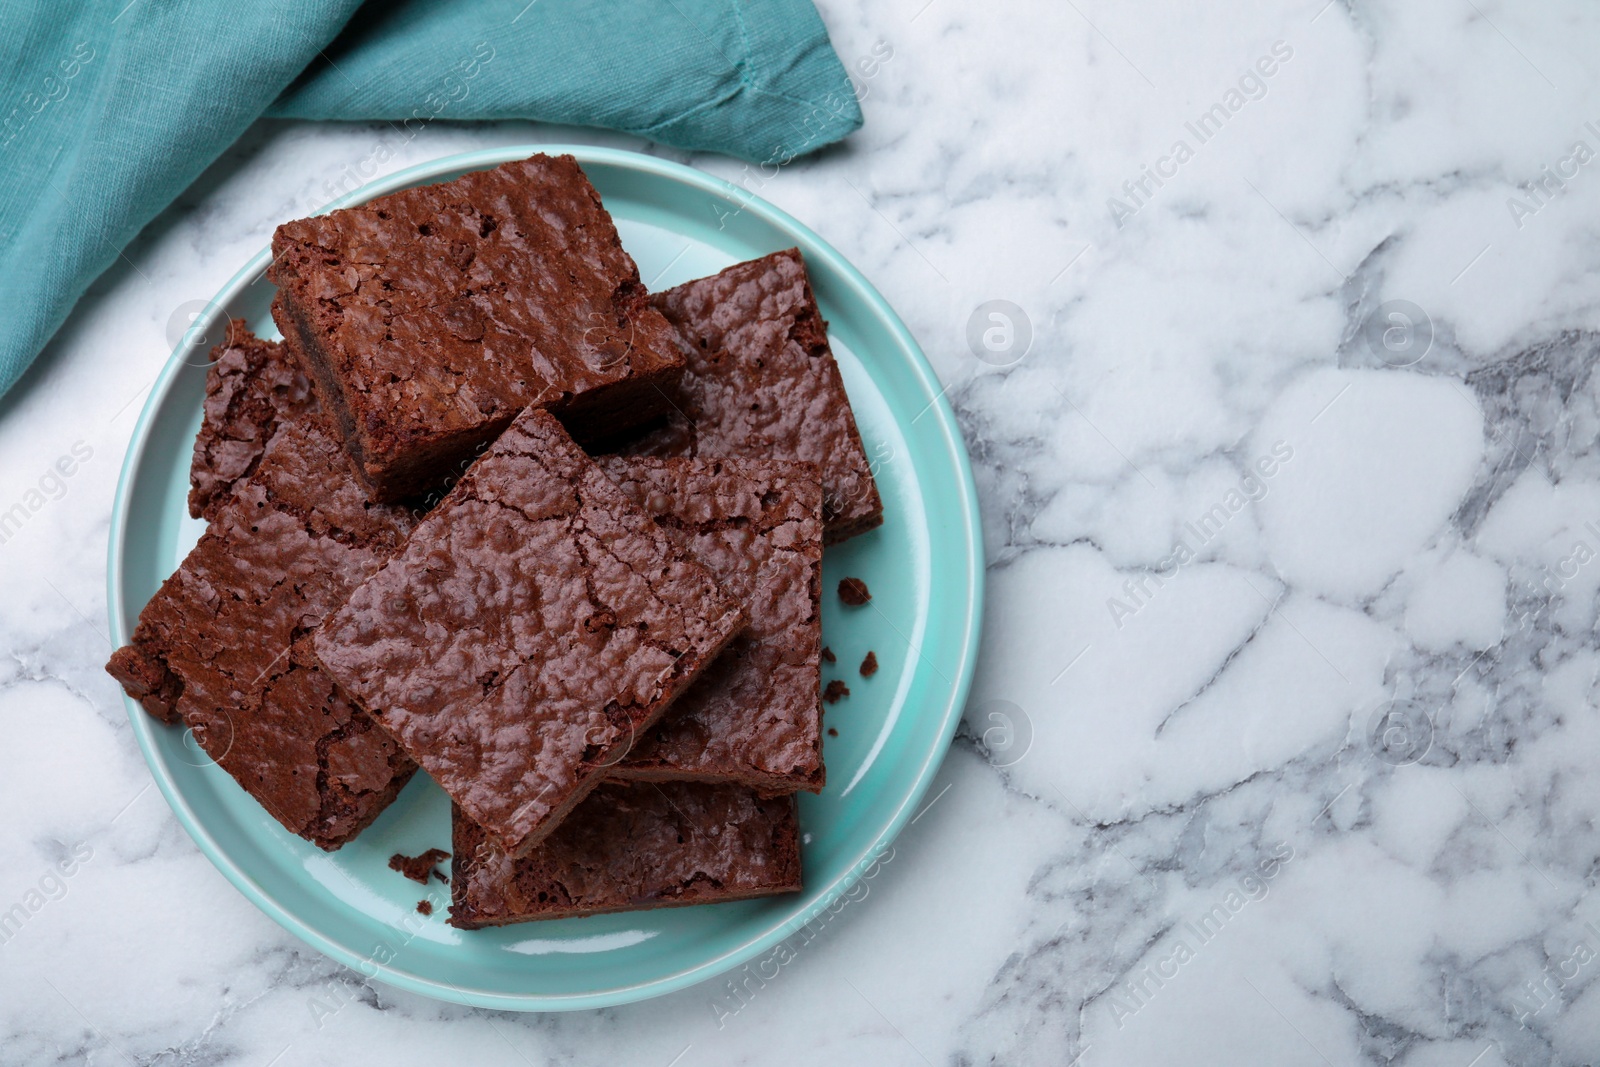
(534, 624)
(252, 386)
(428, 318)
(631, 846)
(761, 382)
(755, 716)
(223, 646)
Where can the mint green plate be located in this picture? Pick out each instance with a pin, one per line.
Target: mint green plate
(924, 567)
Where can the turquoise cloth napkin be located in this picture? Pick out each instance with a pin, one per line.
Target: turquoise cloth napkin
(115, 108)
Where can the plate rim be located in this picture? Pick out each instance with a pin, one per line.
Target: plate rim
(971, 530)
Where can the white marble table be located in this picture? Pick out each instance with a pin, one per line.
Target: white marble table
(1283, 747)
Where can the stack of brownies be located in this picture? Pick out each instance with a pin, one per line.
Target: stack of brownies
(492, 509)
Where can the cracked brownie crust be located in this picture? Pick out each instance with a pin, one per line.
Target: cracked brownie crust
(535, 623)
(755, 715)
(252, 386)
(431, 316)
(762, 383)
(632, 845)
(223, 646)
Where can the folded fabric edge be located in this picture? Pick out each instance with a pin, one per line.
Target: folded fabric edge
(796, 78)
(786, 94)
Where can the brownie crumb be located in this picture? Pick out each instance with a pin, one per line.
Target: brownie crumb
(425, 907)
(835, 692)
(828, 656)
(832, 732)
(853, 591)
(869, 666)
(419, 868)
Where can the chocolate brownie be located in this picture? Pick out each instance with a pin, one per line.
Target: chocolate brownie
(251, 387)
(223, 646)
(632, 845)
(430, 317)
(754, 717)
(762, 382)
(535, 624)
